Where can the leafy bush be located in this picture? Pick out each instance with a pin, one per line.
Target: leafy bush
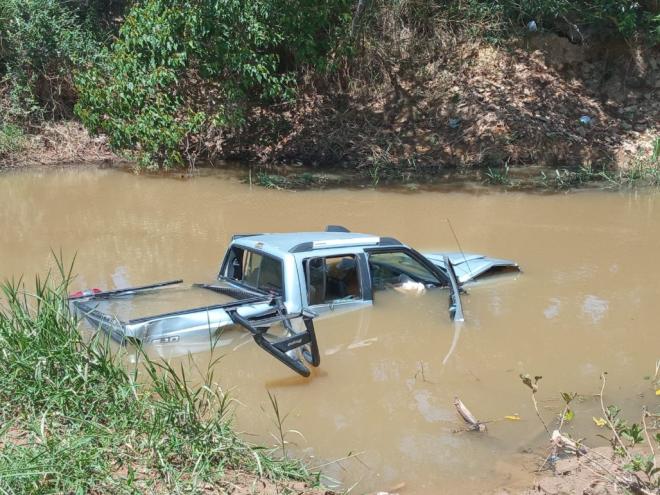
(183, 71)
(41, 43)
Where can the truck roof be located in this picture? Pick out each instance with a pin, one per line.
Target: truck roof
(296, 242)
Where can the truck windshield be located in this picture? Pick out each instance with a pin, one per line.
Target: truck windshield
(396, 267)
(255, 270)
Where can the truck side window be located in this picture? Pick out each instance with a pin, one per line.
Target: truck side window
(256, 270)
(331, 279)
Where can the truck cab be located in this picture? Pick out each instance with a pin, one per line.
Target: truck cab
(326, 272)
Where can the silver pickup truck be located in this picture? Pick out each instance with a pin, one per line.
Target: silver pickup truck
(275, 285)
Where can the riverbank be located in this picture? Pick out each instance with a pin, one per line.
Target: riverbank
(538, 111)
(53, 144)
(598, 472)
(73, 419)
(629, 464)
(539, 100)
(71, 146)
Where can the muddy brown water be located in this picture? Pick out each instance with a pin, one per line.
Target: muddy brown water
(378, 412)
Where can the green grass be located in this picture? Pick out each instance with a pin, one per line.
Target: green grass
(12, 139)
(643, 173)
(499, 176)
(74, 419)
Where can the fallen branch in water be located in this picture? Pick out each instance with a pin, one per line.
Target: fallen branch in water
(468, 417)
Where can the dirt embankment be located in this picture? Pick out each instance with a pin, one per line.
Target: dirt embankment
(424, 106)
(472, 104)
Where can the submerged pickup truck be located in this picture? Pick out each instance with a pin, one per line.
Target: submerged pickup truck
(275, 285)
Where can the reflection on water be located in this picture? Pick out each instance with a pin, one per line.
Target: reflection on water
(595, 308)
(382, 398)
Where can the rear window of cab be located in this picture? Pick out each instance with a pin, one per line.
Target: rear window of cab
(256, 270)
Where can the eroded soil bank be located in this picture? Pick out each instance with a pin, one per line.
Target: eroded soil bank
(471, 104)
(426, 112)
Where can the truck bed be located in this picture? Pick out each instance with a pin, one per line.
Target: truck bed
(139, 306)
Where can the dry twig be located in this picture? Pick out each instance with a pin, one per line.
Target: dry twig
(607, 418)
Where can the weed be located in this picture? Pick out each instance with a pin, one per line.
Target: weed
(69, 401)
(641, 173)
(279, 423)
(272, 181)
(498, 176)
(632, 471)
(12, 139)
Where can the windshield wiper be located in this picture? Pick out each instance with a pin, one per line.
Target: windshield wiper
(121, 292)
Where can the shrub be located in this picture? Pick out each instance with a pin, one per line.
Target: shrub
(181, 71)
(41, 44)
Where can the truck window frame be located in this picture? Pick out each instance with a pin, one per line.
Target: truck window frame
(443, 278)
(231, 255)
(363, 287)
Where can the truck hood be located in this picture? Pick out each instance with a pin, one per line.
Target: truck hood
(469, 266)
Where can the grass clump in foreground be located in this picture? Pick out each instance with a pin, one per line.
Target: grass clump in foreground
(74, 420)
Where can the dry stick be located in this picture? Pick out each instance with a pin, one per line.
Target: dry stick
(350, 456)
(536, 407)
(645, 413)
(607, 417)
(605, 474)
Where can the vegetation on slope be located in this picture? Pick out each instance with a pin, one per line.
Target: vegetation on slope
(173, 82)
